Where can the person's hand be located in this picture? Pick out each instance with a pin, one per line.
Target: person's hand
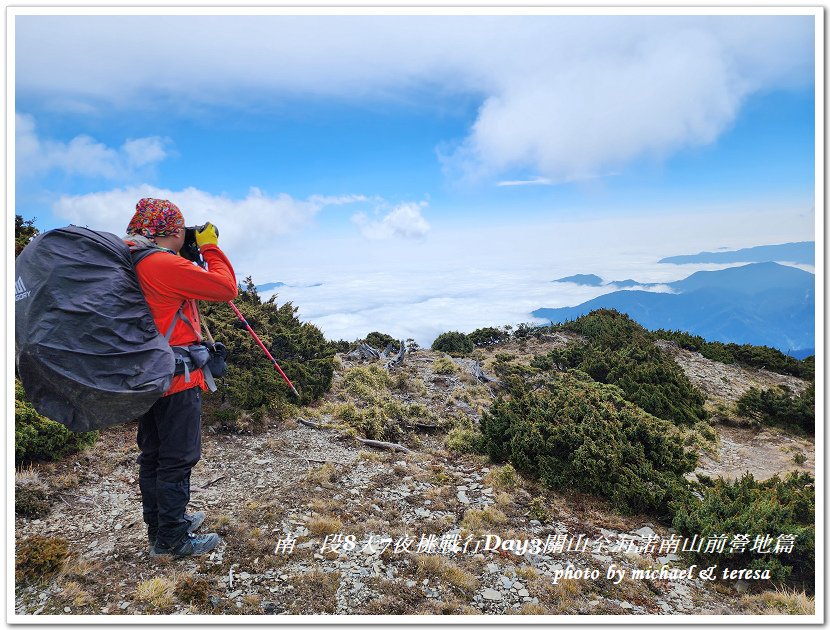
(209, 235)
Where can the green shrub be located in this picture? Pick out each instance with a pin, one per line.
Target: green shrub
(443, 365)
(31, 499)
(756, 508)
(621, 352)
(368, 384)
(487, 336)
(381, 340)
(464, 440)
(252, 384)
(36, 437)
(744, 354)
(38, 558)
(24, 231)
(584, 436)
(453, 343)
(779, 407)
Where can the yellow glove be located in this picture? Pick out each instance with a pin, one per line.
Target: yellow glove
(209, 235)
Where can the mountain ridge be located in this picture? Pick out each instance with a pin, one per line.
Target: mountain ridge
(759, 303)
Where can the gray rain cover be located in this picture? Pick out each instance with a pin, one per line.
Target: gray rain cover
(87, 350)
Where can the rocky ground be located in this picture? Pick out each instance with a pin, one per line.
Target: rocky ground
(411, 526)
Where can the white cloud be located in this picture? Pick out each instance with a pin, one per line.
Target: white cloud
(561, 96)
(82, 155)
(254, 224)
(404, 221)
(497, 272)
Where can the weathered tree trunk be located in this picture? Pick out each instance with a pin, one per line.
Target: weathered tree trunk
(387, 446)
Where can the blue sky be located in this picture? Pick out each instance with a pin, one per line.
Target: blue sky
(433, 173)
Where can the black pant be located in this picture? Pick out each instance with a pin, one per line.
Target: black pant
(170, 440)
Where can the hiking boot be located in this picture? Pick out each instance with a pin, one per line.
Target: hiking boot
(192, 545)
(195, 520)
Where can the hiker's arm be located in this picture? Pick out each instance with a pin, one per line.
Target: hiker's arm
(216, 284)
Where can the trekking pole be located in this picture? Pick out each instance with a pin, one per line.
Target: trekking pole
(264, 349)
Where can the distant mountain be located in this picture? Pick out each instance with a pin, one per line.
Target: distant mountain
(763, 304)
(587, 280)
(754, 278)
(275, 285)
(270, 285)
(631, 283)
(803, 253)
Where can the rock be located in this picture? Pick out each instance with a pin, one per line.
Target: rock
(506, 582)
(524, 592)
(741, 586)
(422, 512)
(644, 532)
(593, 603)
(491, 595)
(492, 568)
(626, 605)
(463, 497)
(260, 462)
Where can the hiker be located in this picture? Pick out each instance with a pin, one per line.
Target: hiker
(170, 433)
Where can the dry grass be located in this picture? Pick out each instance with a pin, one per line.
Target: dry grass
(478, 521)
(461, 579)
(314, 593)
(532, 609)
(446, 571)
(194, 590)
(444, 365)
(324, 525)
(503, 478)
(75, 594)
(325, 475)
(562, 598)
(779, 602)
(156, 593)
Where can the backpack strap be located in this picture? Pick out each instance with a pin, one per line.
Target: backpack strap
(181, 316)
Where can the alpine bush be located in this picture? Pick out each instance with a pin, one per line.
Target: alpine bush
(582, 435)
(453, 343)
(38, 558)
(487, 336)
(760, 511)
(381, 340)
(744, 354)
(618, 351)
(252, 383)
(36, 437)
(777, 406)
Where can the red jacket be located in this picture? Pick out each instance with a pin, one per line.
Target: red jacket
(167, 281)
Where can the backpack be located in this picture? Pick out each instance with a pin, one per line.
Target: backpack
(86, 348)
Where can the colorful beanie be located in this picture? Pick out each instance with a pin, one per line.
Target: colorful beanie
(155, 217)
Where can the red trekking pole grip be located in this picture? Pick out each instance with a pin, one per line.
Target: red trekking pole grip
(264, 349)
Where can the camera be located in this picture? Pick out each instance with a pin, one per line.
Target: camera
(190, 250)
